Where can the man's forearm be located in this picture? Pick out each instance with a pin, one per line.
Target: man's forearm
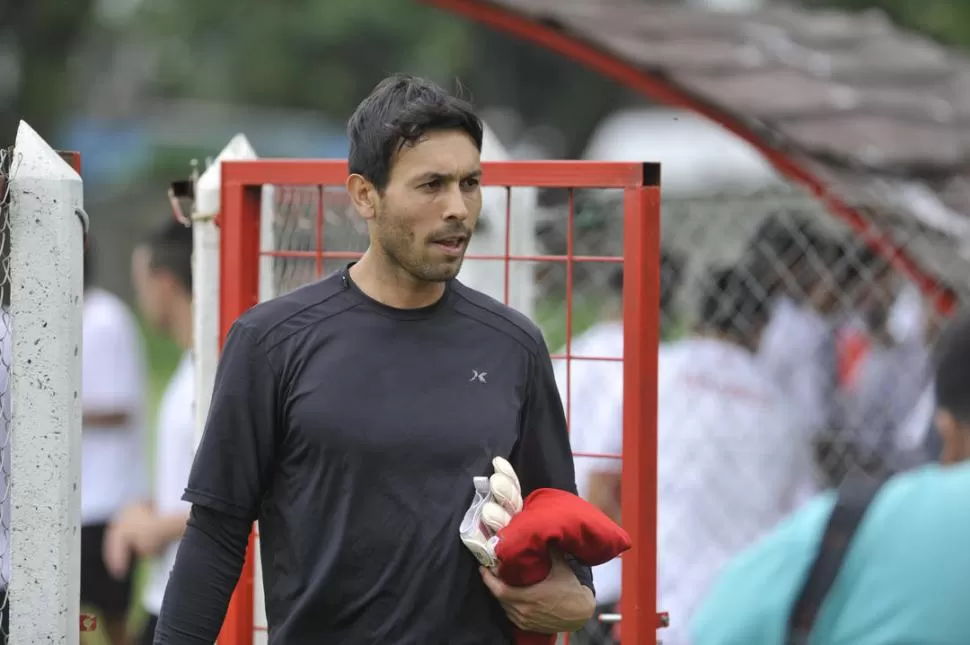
(172, 526)
(210, 558)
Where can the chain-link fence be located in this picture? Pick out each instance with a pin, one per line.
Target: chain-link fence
(6, 353)
(792, 354)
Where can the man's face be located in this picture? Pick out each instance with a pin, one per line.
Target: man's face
(149, 288)
(425, 218)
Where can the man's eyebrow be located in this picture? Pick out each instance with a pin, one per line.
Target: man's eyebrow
(433, 175)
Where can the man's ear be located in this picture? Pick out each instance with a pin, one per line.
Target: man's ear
(956, 439)
(364, 195)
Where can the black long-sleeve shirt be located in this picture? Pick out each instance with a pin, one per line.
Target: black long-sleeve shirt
(352, 431)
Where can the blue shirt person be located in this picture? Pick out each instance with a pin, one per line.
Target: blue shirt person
(906, 577)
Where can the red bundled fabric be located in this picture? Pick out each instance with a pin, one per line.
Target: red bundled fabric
(553, 519)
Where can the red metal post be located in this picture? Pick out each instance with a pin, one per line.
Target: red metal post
(641, 338)
(239, 253)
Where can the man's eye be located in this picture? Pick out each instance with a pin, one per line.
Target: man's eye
(471, 183)
(434, 184)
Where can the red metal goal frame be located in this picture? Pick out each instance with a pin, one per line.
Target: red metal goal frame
(242, 183)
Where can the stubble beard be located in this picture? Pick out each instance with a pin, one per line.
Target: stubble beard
(403, 251)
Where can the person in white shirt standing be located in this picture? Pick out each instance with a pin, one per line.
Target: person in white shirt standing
(162, 275)
(733, 460)
(596, 421)
(112, 443)
(596, 389)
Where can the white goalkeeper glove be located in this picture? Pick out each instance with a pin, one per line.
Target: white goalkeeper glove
(497, 499)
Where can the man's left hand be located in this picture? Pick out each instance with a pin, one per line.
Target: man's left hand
(557, 604)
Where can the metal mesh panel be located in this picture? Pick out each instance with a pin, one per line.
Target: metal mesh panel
(565, 280)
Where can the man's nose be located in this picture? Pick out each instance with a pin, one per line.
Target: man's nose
(455, 206)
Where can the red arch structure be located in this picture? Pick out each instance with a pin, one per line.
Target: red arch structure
(657, 89)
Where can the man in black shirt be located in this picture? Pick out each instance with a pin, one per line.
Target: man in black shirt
(350, 416)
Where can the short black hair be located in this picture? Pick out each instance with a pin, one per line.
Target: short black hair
(778, 233)
(858, 262)
(732, 303)
(778, 244)
(671, 275)
(399, 111)
(951, 359)
(170, 250)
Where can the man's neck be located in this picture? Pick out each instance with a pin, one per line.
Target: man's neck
(379, 278)
(182, 325)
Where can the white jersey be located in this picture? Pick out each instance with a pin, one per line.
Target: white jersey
(799, 353)
(176, 440)
(596, 422)
(112, 380)
(732, 463)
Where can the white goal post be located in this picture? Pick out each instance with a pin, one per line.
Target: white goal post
(43, 233)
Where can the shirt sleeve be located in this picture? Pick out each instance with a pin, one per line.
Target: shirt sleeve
(207, 567)
(112, 376)
(234, 461)
(543, 458)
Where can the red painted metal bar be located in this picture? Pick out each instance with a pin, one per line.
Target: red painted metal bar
(354, 255)
(239, 246)
(663, 91)
(638, 481)
(535, 174)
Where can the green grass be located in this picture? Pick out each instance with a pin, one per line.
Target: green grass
(550, 315)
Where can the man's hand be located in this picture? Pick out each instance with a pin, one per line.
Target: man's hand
(557, 604)
(135, 531)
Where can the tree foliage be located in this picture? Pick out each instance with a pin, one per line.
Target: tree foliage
(38, 38)
(297, 53)
(947, 21)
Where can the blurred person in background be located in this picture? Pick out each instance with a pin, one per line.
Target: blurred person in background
(733, 460)
(596, 422)
(887, 379)
(112, 444)
(789, 260)
(905, 576)
(806, 275)
(162, 277)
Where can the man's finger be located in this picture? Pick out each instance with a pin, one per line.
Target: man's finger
(498, 588)
(116, 554)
